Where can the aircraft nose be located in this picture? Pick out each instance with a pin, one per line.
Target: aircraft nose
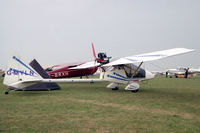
(149, 75)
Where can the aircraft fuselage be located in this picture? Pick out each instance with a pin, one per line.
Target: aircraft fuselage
(66, 72)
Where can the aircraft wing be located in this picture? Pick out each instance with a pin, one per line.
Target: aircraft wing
(176, 72)
(193, 71)
(149, 56)
(87, 65)
(68, 64)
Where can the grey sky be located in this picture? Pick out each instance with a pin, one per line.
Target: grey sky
(61, 31)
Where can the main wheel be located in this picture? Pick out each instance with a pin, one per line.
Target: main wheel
(135, 91)
(116, 88)
(6, 93)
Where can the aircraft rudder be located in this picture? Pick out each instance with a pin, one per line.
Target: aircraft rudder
(18, 71)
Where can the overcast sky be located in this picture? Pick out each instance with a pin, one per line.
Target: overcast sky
(61, 31)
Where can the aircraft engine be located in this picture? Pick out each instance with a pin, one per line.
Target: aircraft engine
(103, 57)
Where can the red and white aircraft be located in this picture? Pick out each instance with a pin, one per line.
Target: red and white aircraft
(73, 69)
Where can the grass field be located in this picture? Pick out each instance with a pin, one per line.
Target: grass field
(162, 106)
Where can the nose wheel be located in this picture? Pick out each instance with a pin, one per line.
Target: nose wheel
(6, 93)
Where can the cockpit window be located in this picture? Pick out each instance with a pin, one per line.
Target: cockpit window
(141, 73)
(132, 72)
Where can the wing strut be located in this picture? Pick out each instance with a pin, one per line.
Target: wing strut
(136, 71)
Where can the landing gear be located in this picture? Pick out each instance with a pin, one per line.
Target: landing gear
(135, 91)
(10, 90)
(116, 88)
(113, 86)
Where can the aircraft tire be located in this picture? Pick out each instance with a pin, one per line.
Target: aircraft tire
(6, 93)
(3, 75)
(135, 91)
(116, 88)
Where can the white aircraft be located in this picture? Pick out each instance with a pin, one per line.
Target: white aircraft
(21, 76)
(180, 72)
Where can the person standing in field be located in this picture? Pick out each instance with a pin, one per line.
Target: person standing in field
(166, 74)
(186, 73)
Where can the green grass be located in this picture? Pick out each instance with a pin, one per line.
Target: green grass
(162, 105)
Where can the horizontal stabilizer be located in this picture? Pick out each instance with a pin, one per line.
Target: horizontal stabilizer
(42, 86)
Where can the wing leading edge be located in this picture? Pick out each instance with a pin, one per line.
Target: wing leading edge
(87, 65)
(149, 56)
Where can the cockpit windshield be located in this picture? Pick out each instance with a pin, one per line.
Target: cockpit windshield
(132, 71)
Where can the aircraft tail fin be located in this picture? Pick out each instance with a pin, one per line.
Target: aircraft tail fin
(18, 71)
(21, 76)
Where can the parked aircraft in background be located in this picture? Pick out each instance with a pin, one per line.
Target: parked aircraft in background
(21, 76)
(66, 71)
(180, 72)
(158, 73)
(72, 69)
